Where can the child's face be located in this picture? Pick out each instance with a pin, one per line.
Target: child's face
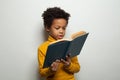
(57, 29)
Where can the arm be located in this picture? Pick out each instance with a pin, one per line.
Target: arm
(43, 71)
(71, 65)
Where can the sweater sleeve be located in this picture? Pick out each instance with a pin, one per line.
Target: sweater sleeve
(44, 72)
(74, 66)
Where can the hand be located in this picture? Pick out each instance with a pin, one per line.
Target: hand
(54, 66)
(66, 62)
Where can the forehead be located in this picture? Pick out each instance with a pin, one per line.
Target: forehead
(59, 22)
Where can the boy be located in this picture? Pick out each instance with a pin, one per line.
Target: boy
(55, 23)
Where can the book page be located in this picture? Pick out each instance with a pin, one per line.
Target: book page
(73, 36)
(60, 40)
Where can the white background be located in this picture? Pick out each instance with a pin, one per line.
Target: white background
(22, 31)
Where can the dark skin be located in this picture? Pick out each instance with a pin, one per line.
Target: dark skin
(54, 65)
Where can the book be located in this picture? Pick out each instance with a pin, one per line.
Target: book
(61, 48)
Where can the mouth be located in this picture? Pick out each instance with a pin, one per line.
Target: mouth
(60, 36)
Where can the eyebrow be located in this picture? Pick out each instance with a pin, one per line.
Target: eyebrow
(59, 26)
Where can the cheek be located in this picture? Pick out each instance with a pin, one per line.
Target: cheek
(55, 32)
(64, 31)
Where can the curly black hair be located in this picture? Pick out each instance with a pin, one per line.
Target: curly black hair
(54, 13)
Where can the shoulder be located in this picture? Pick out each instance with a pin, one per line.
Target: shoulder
(43, 46)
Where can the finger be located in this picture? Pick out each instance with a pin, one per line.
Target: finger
(58, 61)
(53, 67)
(63, 61)
(67, 58)
(66, 63)
(69, 54)
(53, 64)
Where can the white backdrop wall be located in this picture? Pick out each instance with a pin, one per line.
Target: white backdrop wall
(21, 32)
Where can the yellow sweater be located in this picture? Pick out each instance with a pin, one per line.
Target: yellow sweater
(62, 73)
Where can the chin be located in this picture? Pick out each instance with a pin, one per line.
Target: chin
(60, 38)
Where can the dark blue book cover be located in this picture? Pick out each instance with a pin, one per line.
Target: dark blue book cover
(76, 45)
(61, 49)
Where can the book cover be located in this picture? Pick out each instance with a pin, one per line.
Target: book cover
(60, 49)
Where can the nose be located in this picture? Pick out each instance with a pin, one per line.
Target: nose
(61, 31)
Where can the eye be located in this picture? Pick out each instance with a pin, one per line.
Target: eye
(64, 28)
(57, 27)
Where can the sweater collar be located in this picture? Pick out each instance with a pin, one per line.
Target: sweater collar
(51, 39)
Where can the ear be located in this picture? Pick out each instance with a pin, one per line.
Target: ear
(47, 29)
